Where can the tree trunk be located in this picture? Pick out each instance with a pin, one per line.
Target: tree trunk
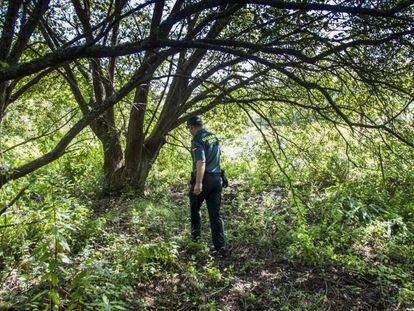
(4, 99)
(113, 161)
(136, 179)
(105, 129)
(134, 152)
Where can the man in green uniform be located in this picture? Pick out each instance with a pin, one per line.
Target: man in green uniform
(206, 183)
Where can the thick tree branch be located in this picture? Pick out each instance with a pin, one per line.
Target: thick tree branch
(27, 30)
(144, 74)
(68, 54)
(8, 28)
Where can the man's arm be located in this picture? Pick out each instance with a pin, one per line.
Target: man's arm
(201, 168)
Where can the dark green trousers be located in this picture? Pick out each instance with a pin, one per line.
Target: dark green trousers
(212, 187)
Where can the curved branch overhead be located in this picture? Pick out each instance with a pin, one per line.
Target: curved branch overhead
(66, 55)
(12, 71)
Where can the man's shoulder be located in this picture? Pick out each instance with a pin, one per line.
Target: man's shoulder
(206, 133)
(200, 135)
(209, 137)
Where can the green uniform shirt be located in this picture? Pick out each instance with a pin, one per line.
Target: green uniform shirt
(206, 146)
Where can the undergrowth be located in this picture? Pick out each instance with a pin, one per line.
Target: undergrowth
(342, 248)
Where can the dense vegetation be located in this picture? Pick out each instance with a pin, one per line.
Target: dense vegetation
(345, 241)
(312, 102)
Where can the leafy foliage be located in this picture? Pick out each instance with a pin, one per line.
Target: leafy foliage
(341, 236)
(313, 108)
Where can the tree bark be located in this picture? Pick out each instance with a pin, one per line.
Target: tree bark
(106, 131)
(136, 179)
(140, 175)
(4, 98)
(134, 155)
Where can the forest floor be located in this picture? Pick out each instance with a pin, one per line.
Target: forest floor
(257, 274)
(135, 254)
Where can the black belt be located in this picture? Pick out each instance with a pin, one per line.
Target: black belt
(208, 173)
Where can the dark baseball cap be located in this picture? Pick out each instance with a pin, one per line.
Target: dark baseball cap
(195, 121)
